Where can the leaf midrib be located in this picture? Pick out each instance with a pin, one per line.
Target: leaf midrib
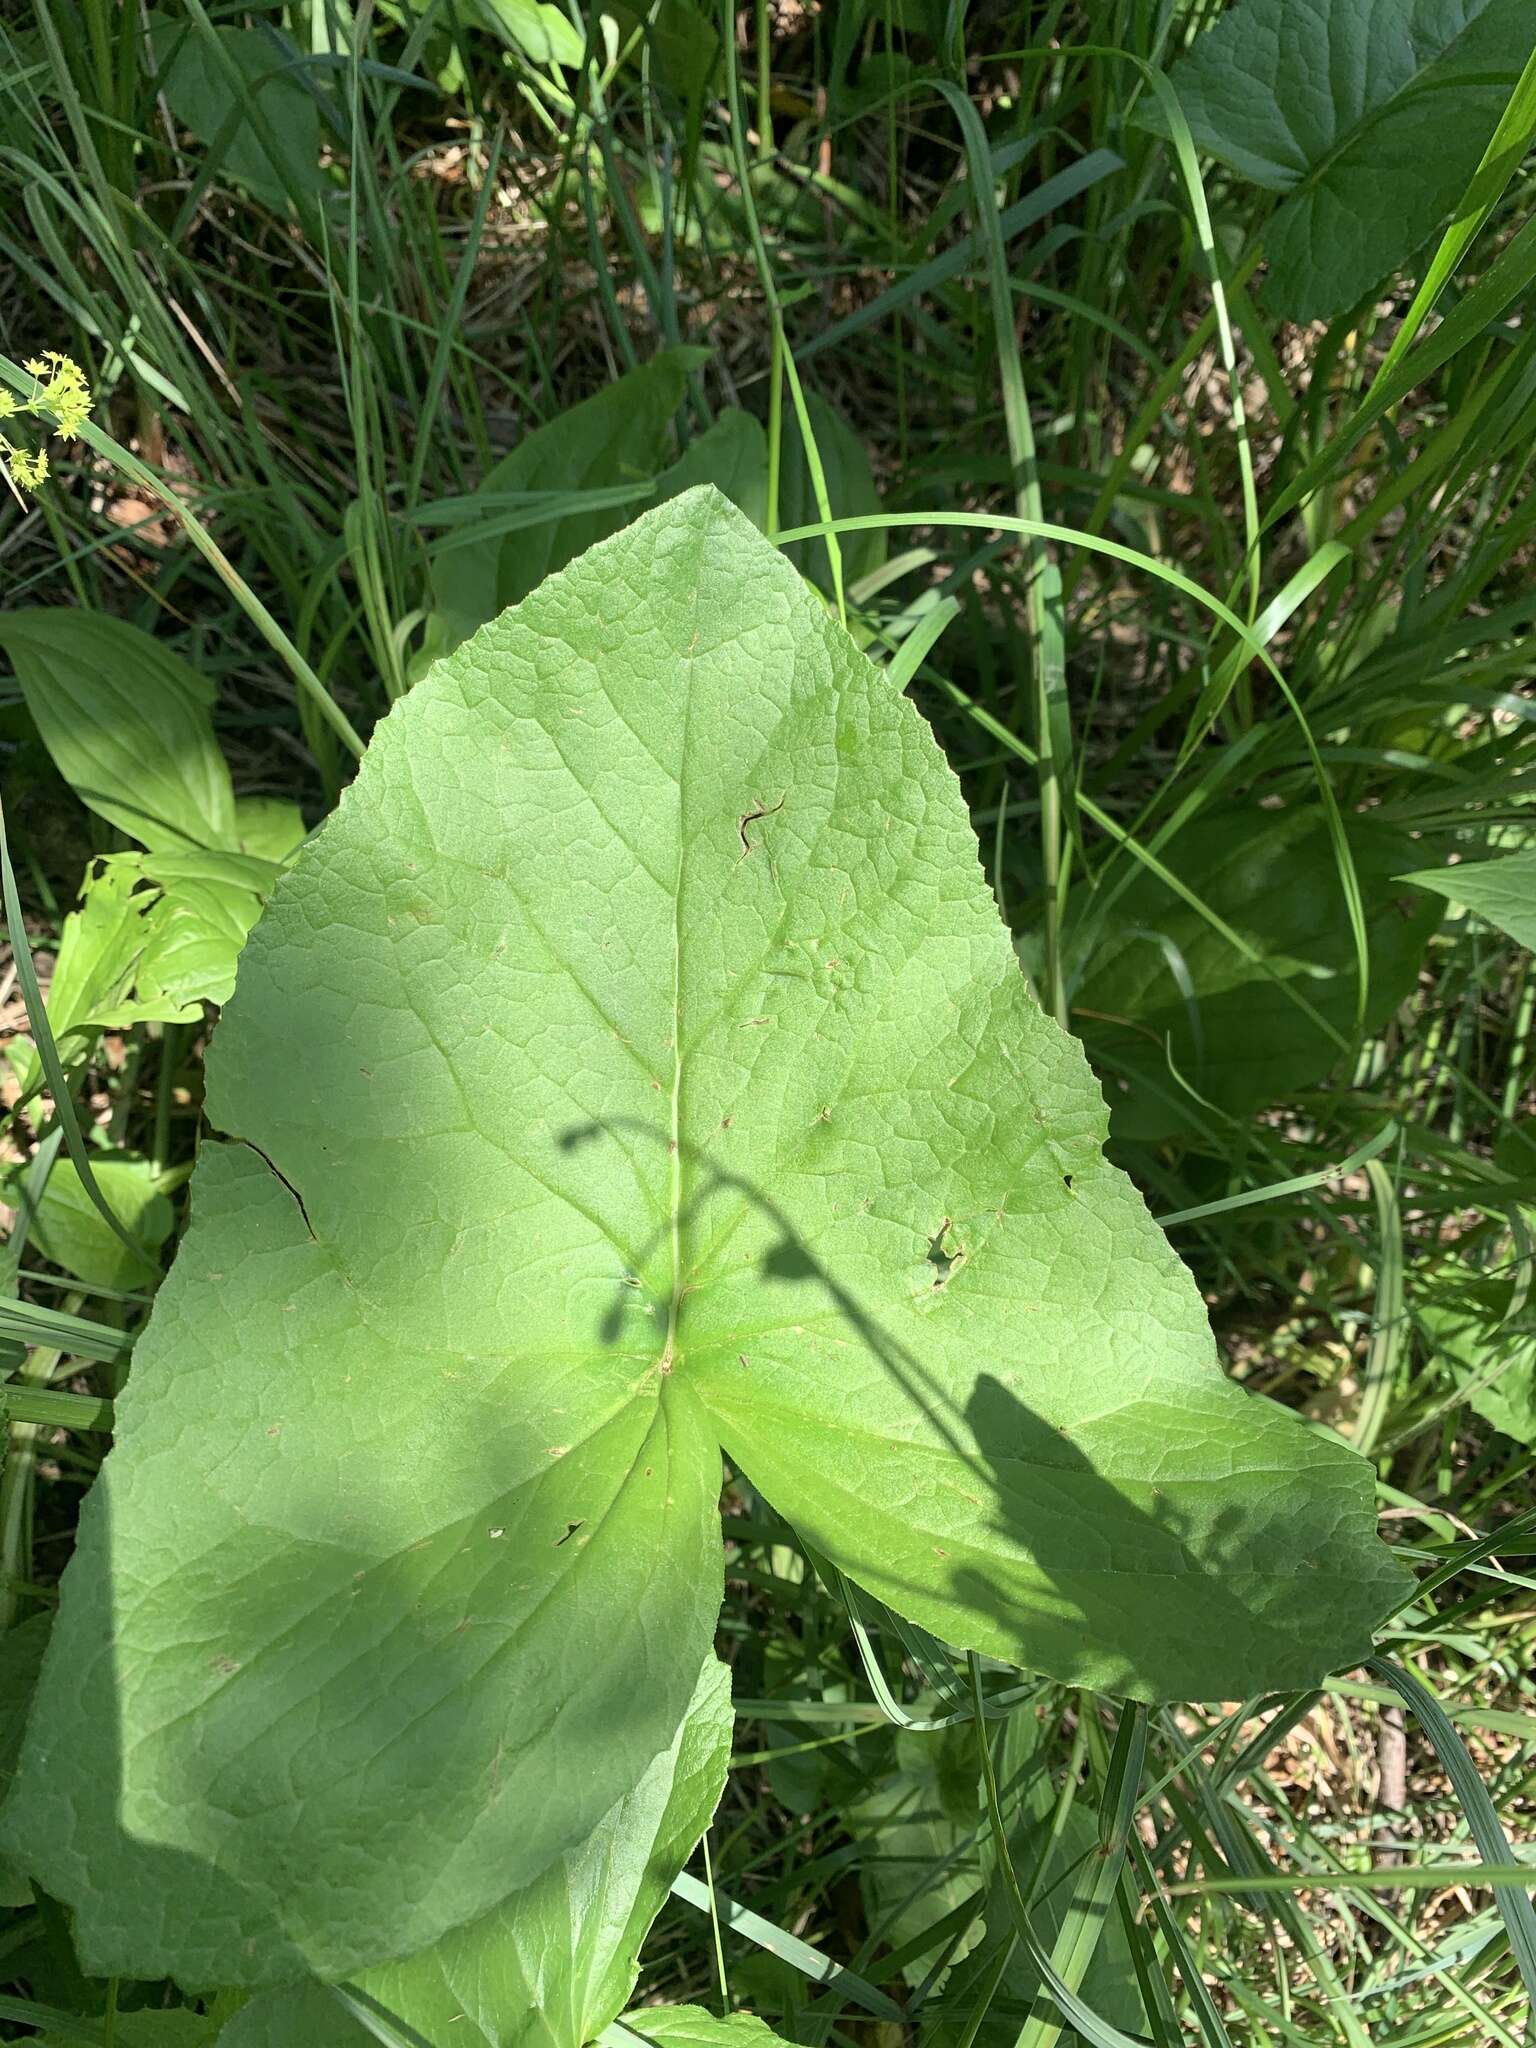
(675, 1134)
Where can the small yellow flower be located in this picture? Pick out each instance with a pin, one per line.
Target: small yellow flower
(61, 395)
(27, 470)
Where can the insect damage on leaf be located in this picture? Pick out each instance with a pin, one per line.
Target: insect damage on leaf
(614, 1063)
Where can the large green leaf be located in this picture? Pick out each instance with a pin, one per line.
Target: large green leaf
(126, 722)
(1503, 891)
(634, 1063)
(1166, 979)
(1370, 115)
(555, 1963)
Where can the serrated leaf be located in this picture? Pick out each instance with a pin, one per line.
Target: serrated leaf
(1503, 891)
(127, 724)
(156, 936)
(1370, 115)
(1165, 976)
(637, 1064)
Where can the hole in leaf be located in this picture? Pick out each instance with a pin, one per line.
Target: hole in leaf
(941, 1256)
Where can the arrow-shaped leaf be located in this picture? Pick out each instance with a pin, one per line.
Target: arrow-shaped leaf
(634, 1064)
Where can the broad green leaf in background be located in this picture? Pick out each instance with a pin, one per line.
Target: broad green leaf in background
(690, 2026)
(638, 1065)
(68, 1229)
(1494, 1360)
(621, 436)
(1369, 115)
(681, 57)
(25, 1643)
(1503, 891)
(1108, 1984)
(199, 93)
(918, 1828)
(268, 827)
(180, 2028)
(1165, 975)
(850, 492)
(128, 726)
(540, 31)
(556, 1962)
(731, 454)
(126, 722)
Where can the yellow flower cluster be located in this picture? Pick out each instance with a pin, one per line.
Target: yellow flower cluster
(60, 396)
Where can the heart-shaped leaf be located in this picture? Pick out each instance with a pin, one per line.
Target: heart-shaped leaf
(634, 1064)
